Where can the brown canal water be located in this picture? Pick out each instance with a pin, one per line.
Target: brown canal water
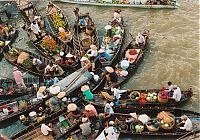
(173, 52)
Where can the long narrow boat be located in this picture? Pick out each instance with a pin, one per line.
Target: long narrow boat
(67, 85)
(113, 41)
(85, 34)
(129, 102)
(49, 45)
(172, 4)
(173, 130)
(10, 90)
(16, 107)
(24, 60)
(140, 52)
(56, 19)
(6, 42)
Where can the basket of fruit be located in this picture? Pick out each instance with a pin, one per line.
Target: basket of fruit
(153, 125)
(13, 55)
(137, 127)
(152, 97)
(27, 63)
(167, 120)
(122, 126)
(163, 97)
(135, 96)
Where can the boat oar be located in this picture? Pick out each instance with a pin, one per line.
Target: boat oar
(193, 131)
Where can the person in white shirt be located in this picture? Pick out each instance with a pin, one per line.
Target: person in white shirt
(111, 132)
(176, 94)
(140, 40)
(36, 30)
(85, 127)
(116, 92)
(187, 123)
(45, 129)
(51, 68)
(40, 92)
(92, 52)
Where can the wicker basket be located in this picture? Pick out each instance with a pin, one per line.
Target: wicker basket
(123, 126)
(132, 94)
(162, 101)
(133, 124)
(173, 123)
(152, 129)
(89, 30)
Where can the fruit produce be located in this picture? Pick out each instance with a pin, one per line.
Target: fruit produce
(152, 97)
(27, 63)
(166, 120)
(135, 95)
(13, 52)
(49, 44)
(143, 97)
(58, 21)
(137, 127)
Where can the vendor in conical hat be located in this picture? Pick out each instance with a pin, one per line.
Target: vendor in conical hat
(92, 52)
(103, 55)
(90, 112)
(131, 55)
(74, 110)
(111, 75)
(40, 93)
(87, 93)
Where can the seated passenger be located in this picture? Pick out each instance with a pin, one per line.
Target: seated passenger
(187, 123)
(92, 52)
(176, 94)
(111, 75)
(51, 68)
(140, 40)
(85, 127)
(103, 56)
(69, 59)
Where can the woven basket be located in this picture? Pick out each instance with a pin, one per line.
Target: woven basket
(173, 123)
(162, 101)
(131, 96)
(133, 124)
(152, 129)
(123, 126)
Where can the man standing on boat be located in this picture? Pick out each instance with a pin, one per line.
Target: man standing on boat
(18, 76)
(36, 30)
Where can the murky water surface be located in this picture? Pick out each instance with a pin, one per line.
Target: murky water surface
(174, 45)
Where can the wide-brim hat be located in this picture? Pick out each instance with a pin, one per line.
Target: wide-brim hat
(72, 107)
(84, 88)
(111, 122)
(101, 51)
(107, 105)
(15, 68)
(175, 86)
(61, 29)
(124, 73)
(84, 58)
(134, 115)
(69, 55)
(61, 95)
(54, 89)
(93, 47)
(109, 69)
(42, 89)
(84, 119)
(33, 113)
(61, 53)
(36, 17)
(89, 107)
(108, 27)
(6, 43)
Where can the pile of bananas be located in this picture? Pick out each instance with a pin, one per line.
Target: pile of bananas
(58, 21)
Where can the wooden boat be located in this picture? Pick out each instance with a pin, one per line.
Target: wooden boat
(24, 60)
(125, 128)
(192, 135)
(117, 30)
(132, 66)
(9, 89)
(61, 121)
(50, 46)
(131, 4)
(128, 102)
(58, 19)
(81, 43)
(5, 43)
(15, 107)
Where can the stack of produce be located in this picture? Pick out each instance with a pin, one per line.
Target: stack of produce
(49, 44)
(137, 127)
(13, 54)
(166, 119)
(24, 60)
(143, 98)
(163, 97)
(58, 21)
(135, 95)
(152, 97)
(153, 125)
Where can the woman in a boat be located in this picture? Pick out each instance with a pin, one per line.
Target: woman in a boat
(90, 112)
(131, 55)
(41, 92)
(51, 69)
(74, 111)
(85, 126)
(103, 55)
(111, 75)
(87, 92)
(92, 52)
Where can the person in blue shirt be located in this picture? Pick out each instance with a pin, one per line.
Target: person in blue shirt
(103, 56)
